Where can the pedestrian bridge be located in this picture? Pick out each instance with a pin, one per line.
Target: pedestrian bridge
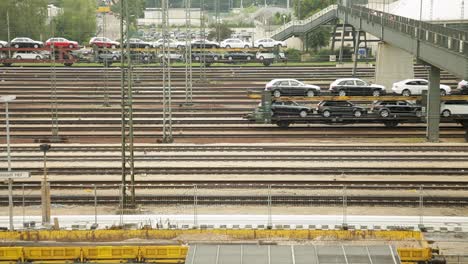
(443, 47)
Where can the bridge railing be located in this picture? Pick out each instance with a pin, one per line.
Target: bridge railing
(448, 38)
(304, 21)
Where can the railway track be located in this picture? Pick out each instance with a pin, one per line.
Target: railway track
(217, 105)
(440, 148)
(283, 164)
(240, 200)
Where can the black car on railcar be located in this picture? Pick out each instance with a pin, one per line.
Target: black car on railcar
(340, 108)
(396, 108)
(290, 108)
(25, 43)
(238, 56)
(354, 86)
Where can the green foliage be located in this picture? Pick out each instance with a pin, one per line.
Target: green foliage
(324, 54)
(293, 54)
(306, 8)
(27, 18)
(319, 38)
(78, 20)
(278, 18)
(136, 9)
(224, 31)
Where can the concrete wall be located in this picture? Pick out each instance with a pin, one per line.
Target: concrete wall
(176, 17)
(295, 43)
(393, 65)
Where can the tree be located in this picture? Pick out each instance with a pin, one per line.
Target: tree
(27, 18)
(136, 10)
(306, 8)
(278, 18)
(77, 21)
(318, 38)
(224, 31)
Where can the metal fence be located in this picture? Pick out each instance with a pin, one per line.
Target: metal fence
(236, 205)
(438, 35)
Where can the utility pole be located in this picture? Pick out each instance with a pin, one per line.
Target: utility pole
(8, 33)
(127, 157)
(188, 53)
(166, 64)
(203, 44)
(218, 29)
(431, 10)
(53, 89)
(45, 188)
(462, 10)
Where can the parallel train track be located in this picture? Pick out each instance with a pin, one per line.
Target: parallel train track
(217, 105)
(276, 200)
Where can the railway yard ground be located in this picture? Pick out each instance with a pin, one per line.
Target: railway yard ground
(224, 173)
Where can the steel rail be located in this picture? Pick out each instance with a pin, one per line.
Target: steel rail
(276, 200)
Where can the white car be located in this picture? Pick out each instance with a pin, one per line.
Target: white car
(234, 43)
(173, 44)
(265, 55)
(173, 56)
(269, 43)
(462, 84)
(410, 87)
(29, 56)
(463, 87)
(449, 108)
(3, 44)
(293, 87)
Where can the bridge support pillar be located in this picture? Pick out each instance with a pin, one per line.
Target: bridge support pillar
(393, 65)
(433, 105)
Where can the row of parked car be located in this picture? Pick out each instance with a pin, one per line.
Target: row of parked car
(197, 56)
(102, 42)
(355, 86)
(383, 109)
(30, 43)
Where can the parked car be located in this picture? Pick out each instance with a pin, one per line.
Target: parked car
(238, 56)
(25, 43)
(234, 43)
(173, 56)
(109, 57)
(340, 108)
(210, 56)
(3, 44)
(282, 57)
(173, 44)
(102, 42)
(269, 43)
(410, 87)
(139, 44)
(354, 86)
(25, 55)
(61, 43)
(463, 87)
(199, 43)
(280, 87)
(399, 108)
(449, 108)
(265, 55)
(290, 108)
